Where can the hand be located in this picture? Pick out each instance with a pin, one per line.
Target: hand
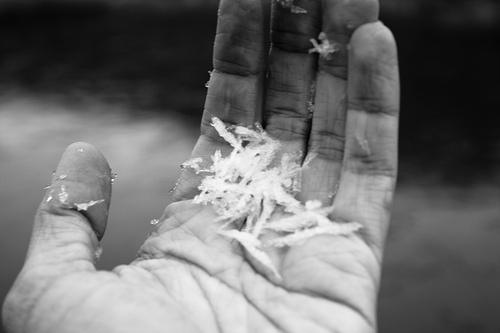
(187, 278)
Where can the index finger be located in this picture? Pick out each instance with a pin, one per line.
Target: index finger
(236, 86)
(235, 90)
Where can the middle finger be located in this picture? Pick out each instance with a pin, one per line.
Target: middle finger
(292, 71)
(326, 141)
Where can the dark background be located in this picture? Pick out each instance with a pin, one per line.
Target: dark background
(129, 77)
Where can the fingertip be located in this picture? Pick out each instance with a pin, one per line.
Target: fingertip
(88, 158)
(373, 84)
(81, 183)
(373, 43)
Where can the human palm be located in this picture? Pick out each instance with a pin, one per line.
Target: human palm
(341, 109)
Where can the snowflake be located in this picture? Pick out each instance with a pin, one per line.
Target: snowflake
(256, 185)
(324, 48)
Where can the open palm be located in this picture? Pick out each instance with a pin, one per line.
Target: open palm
(342, 108)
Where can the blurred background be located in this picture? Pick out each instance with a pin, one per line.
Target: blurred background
(129, 75)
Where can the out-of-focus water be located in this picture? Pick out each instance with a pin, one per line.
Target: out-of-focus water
(145, 151)
(442, 268)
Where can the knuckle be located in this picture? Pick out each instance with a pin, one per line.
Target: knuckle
(290, 74)
(235, 56)
(366, 103)
(372, 104)
(293, 41)
(292, 32)
(370, 165)
(286, 124)
(327, 145)
(239, 42)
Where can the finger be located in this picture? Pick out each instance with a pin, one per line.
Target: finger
(235, 89)
(370, 163)
(340, 19)
(291, 73)
(72, 217)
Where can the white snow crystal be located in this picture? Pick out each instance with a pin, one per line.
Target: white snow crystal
(324, 48)
(63, 195)
(86, 205)
(256, 185)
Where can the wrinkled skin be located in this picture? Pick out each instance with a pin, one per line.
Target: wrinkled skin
(187, 278)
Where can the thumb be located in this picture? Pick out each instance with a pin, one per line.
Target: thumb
(72, 216)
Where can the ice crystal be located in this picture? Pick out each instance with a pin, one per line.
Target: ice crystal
(50, 197)
(253, 189)
(207, 85)
(114, 177)
(98, 252)
(86, 205)
(193, 163)
(364, 145)
(312, 96)
(293, 8)
(301, 236)
(324, 48)
(63, 195)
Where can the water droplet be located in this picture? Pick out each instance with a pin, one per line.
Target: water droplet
(207, 85)
(364, 146)
(335, 191)
(63, 195)
(172, 190)
(49, 198)
(98, 252)
(114, 177)
(154, 222)
(310, 108)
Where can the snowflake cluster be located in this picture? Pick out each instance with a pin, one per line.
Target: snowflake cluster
(253, 191)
